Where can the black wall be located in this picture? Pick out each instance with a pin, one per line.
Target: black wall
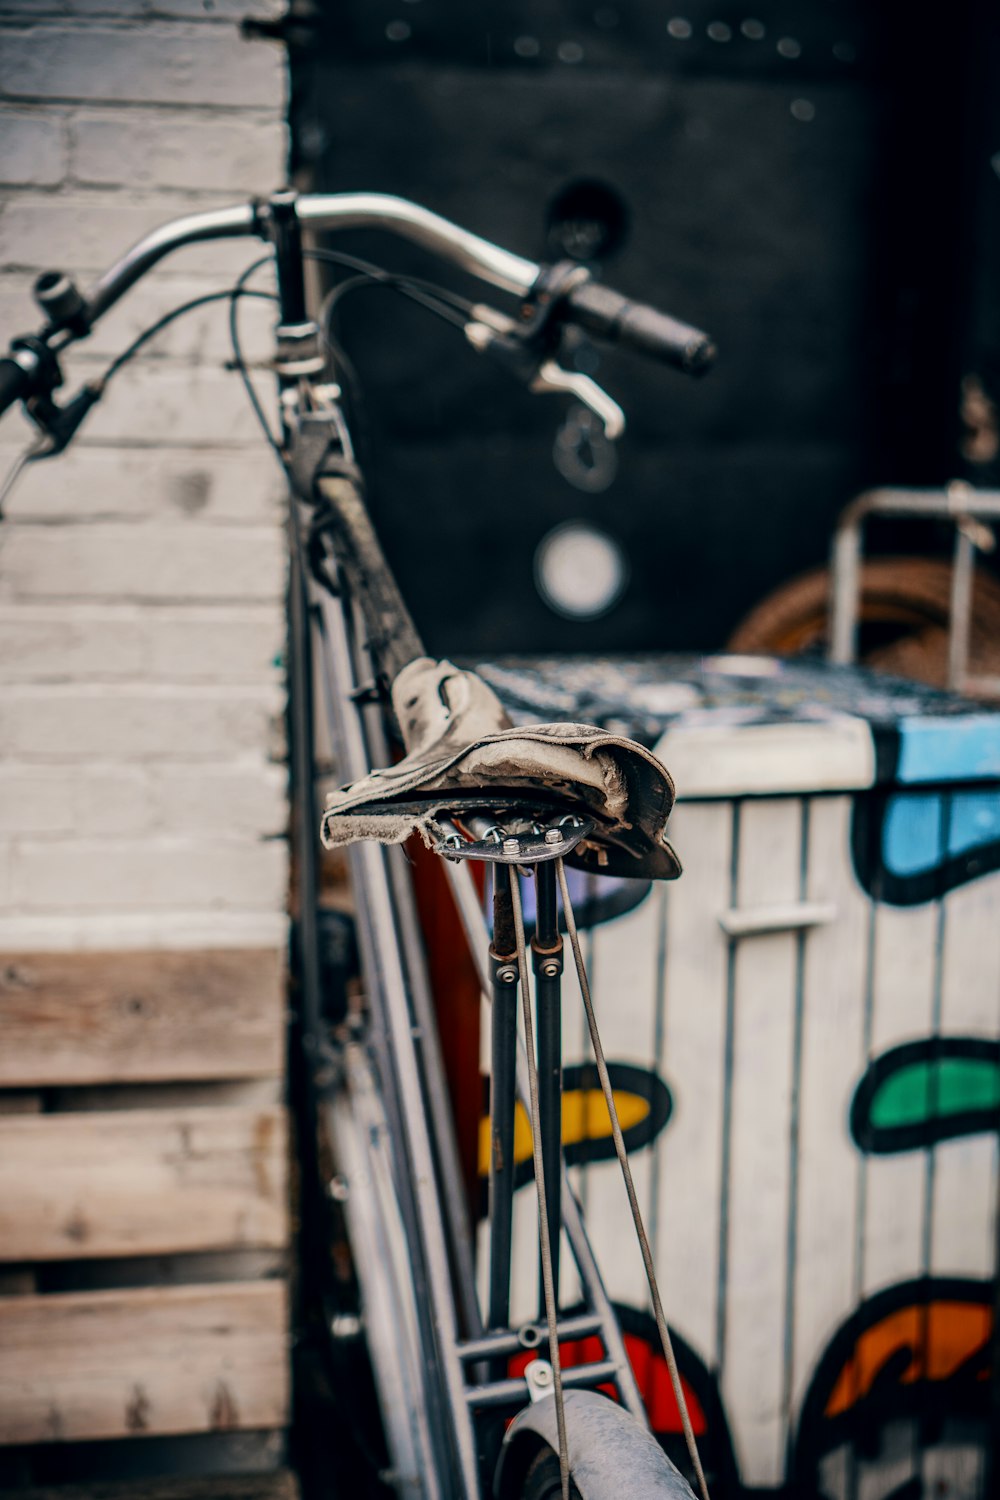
(809, 195)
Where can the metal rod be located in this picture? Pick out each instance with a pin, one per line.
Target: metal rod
(845, 574)
(544, 1241)
(491, 263)
(546, 959)
(503, 1088)
(438, 1108)
(623, 1161)
(579, 1327)
(512, 1392)
(956, 501)
(960, 624)
(471, 913)
(386, 985)
(287, 235)
(512, 273)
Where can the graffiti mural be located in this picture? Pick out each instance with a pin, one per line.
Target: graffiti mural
(642, 1101)
(935, 1089)
(701, 1393)
(912, 1363)
(822, 989)
(911, 847)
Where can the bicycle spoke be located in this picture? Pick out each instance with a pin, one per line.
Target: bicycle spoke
(622, 1154)
(548, 1286)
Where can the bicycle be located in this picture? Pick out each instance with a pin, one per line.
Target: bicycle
(475, 788)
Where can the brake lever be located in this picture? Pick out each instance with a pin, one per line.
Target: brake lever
(491, 332)
(552, 377)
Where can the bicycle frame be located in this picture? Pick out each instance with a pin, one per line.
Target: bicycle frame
(439, 1370)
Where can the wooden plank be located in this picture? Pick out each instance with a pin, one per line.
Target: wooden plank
(903, 1010)
(833, 1059)
(141, 1182)
(278, 1486)
(130, 1363)
(141, 1017)
(764, 1019)
(685, 1229)
(963, 1232)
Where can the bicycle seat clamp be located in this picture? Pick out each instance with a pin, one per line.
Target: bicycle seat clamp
(508, 837)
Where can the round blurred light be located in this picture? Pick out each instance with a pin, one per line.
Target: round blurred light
(569, 52)
(580, 572)
(679, 28)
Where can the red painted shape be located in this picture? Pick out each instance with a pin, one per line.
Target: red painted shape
(455, 987)
(651, 1374)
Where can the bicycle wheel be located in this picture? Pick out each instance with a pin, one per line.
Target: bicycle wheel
(904, 606)
(609, 1453)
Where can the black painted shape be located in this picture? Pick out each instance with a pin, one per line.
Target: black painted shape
(964, 1394)
(883, 884)
(876, 1140)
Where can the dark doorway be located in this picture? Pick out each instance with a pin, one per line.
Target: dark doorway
(806, 180)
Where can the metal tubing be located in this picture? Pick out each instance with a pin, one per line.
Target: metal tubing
(961, 608)
(387, 989)
(286, 233)
(845, 576)
(324, 211)
(512, 273)
(958, 500)
(503, 1086)
(361, 1138)
(471, 914)
(493, 1344)
(303, 795)
(546, 958)
(438, 1107)
(242, 220)
(512, 1392)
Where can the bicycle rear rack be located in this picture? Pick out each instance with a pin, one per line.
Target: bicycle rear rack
(970, 510)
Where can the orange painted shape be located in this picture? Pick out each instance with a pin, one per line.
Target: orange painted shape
(939, 1338)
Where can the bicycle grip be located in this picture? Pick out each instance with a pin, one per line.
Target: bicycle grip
(618, 320)
(15, 383)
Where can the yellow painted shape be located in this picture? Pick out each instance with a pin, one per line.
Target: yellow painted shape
(940, 1337)
(585, 1117)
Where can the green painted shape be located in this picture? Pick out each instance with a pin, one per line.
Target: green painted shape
(935, 1089)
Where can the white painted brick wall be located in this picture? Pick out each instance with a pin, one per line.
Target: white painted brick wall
(142, 774)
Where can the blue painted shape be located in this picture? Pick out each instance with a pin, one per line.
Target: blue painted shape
(912, 829)
(956, 748)
(911, 834)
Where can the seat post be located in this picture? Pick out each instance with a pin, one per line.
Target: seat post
(547, 962)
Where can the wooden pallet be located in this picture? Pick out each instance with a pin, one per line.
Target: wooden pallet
(278, 1486)
(143, 1196)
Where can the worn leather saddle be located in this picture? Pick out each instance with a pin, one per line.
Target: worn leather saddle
(463, 753)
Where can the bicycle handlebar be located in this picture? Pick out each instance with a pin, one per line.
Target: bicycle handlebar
(605, 313)
(637, 326)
